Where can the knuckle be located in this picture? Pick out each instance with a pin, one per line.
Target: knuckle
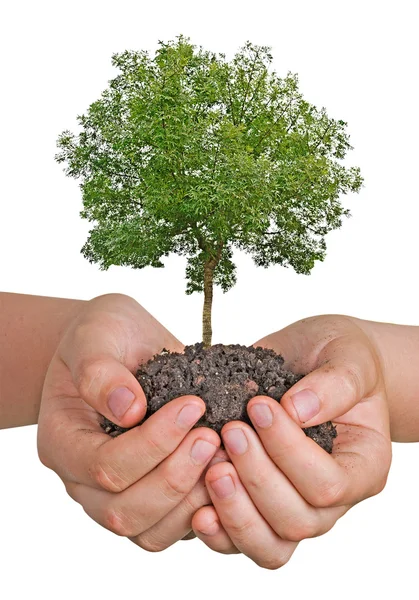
(112, 296)
(149, 542)
(273, 562)
(353, 379)
(197, 498)
(189, 505)
(81, 332)
(89, 372)
(174, 487)
(285, 450)
(118, 523)
(155, 449)
(106, 477)
(241, 530)
(298, 531)
(329, 495)
(256, 480)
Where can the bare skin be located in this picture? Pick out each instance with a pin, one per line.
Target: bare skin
(99, 343)
(347, 374)
(363, 374)
(280, 487)
(30, 329)
(147, 483)
(398, 349)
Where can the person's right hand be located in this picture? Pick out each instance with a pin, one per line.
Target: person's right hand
(281, 487)
(147, 483)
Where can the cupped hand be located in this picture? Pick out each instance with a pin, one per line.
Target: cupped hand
(147, 483)
(280, 486)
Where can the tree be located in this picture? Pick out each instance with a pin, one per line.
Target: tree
(189, 153)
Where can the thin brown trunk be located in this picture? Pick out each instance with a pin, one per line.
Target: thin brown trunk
(209, 268)
(207, 312)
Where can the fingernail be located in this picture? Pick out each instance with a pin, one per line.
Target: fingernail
(224, 487)
(211, 529)
(189, 415)
(119, 401)
(236, 440)
(261, 414)
(307, 405)
(202, 451)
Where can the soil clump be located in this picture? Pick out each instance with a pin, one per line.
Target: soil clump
(226, 377)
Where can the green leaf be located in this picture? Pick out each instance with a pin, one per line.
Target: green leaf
(188, 153)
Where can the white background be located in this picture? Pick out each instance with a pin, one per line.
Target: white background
(355, 58)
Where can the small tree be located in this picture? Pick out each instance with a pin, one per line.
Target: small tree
(189, 153)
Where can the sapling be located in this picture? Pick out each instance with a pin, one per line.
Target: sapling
(189, 153)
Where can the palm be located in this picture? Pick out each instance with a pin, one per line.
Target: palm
(336, 346)
(127, 331)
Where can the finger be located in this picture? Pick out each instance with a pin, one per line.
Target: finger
(101, 357)
(343, 369)
(177, 524)
(94, 458)
(207, 528)
(355, 470)
(112, 390)
(301, 342)
(109, 387)
(142, 505)
(243, 523)
(348, 375)
(277, 500)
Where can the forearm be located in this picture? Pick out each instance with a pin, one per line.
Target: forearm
(30, 330)
(398, 350)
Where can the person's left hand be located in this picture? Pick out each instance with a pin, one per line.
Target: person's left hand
(147, 483)
(281, 487)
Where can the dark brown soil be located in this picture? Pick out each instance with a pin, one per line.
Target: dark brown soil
(226, 378)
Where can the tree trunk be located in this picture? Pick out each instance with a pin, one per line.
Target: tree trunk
(207, 312)
(209, 268)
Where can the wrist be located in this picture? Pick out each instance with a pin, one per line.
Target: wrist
(397, 349)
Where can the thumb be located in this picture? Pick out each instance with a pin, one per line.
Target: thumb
(347, 373)
(111, 389)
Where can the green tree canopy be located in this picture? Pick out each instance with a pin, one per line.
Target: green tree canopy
(189, 153)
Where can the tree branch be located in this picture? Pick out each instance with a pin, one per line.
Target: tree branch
(126, 176)
(323, 136)
(265, 106)
(213, 262)
(231, 102)
(216, 157)
(273, 125)
(164, 125)
(248, 85)
(302, 225)
(256, 90)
